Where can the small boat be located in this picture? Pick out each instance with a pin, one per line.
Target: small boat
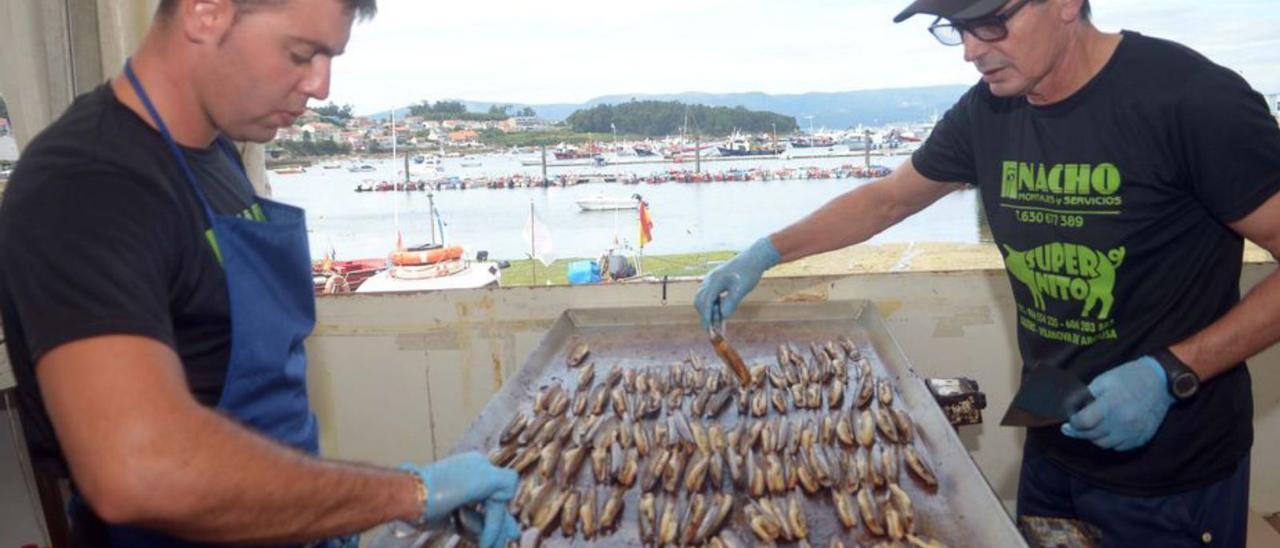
(291, 170)
(361, 168)
(331, 276)
(608, 203)
(331, 165)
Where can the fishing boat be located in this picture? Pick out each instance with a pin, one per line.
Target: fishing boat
(360, 167)
(291, 170)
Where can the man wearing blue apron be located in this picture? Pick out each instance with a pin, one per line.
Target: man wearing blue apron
(155, 309)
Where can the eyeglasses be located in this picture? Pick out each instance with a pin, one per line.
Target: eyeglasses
(988, 28)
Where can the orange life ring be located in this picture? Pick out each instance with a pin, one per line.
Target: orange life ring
(431, 256)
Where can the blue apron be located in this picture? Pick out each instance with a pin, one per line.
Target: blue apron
(272, 301)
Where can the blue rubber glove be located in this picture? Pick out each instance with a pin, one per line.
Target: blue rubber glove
(738, 277)
(466, 480)
(1130, 403)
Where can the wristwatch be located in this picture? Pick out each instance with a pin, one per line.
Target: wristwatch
(1183, 382)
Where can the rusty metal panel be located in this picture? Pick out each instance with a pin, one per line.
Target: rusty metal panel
(962, 511)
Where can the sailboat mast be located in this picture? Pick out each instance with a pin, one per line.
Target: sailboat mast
(395, 198)
(431, 216)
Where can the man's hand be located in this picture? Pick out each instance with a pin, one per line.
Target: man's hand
(737, 277)
(466, 480)
(1130, 403)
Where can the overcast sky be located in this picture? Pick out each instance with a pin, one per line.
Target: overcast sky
(573, 50)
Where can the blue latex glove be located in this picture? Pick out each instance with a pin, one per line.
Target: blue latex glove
(738, 277)
(467, 480)
(1130, 403)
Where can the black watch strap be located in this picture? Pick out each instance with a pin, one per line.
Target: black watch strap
(1183, 381)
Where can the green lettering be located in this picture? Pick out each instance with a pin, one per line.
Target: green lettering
(1055, 180)
(1041, 184)
(1009, 180)
(1026, 176)
(1070, 253)
(1076, 178)
(1056, 257)
(1079, 289)
(1106, 179)
(1088, 263)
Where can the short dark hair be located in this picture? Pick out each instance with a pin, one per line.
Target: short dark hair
(1085, 12)
(364, 9)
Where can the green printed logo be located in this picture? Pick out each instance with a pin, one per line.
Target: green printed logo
(1058, 179)
(1067, 272)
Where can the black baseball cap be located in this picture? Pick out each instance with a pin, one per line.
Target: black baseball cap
(955, 10)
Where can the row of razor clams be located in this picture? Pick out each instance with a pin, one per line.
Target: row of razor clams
(812, 433)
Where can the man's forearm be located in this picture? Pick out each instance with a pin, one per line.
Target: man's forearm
(223, 483)
(1249, 328)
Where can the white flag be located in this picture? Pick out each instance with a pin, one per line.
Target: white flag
(538, 236)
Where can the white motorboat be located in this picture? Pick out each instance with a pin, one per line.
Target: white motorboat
(608, 203)
(454, 274)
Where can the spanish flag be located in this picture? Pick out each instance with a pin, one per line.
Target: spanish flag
(646, 225)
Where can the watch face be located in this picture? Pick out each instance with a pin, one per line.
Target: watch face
(1185, 385)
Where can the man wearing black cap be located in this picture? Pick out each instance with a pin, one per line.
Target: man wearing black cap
(1120, 175)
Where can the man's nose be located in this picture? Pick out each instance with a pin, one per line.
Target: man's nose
(973, 47)
(316, 83)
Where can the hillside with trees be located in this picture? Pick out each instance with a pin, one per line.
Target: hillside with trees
(658, 118)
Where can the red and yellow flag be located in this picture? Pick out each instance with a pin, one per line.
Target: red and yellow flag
(646, 225)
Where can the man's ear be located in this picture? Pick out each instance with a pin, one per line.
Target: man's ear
(205, 21)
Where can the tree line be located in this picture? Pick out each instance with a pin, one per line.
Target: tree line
(456, 110)
(658, 118)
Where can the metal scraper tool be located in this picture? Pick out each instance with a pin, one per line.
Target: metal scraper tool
(1048, 396)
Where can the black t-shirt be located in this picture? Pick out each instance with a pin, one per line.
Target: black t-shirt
(1111, 210)
(100, 233)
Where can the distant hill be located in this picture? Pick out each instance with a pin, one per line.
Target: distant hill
(836, 110)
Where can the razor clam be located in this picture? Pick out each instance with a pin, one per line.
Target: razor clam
(840, 370)
(894, 525)
(642, 381)
(578, 354)
(675, 399)
(827, 433)
(699, 405)
(612, 509)
(784, 356)
(918, 466)
(870, 514)
(863, 469)
(629, 380)
(569, 513)
(729, 539)
(662, 434)
(804, 475)
(718, 511)
(768, 438)
(850, 349)
(846, 508)
(866, 429)
(600, 462)
(648, 517)
(558, 402)
(874, 468)
(737, 472)
(718, 403)
(673, 470)
(619, 398)
(903, 424)
(626, 433)
(759, 403)
(715, 377)
(693, 515)
(530, 431)
(613, 377)
(889, 463)
(668, 525)
(527, 457)
(779, 515)
(549, 431)
(884, 392)
(799, 396)
(530, 538)
(835, 394)
(580, 400)
(744, 400)
(808, 434)
(787, 438)
(755, 477)
(587, 513)
(762, 524)
(715, 471)
(899, 499)
(813, 395)
(571, 463)
(779, 400)
(884, 421)
(795, 516)
(545, 517)
(821, 466)
(754, 432)
(773, 474)
(715, 437)
(700, 437)
(567, 426)
(539, 495)
(757, 376)
(626, 474)
(852, 473)
(653, 470)
(598, 399)
(866, 389)
(844, 430)
(585, 376)
(503, 455)
(513, 428)
(864, 368)
(548, 460)
(640, 436)
(679, 424)
(776, 377)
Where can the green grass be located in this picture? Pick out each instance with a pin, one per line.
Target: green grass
(521, 272)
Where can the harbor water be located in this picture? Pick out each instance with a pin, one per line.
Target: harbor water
(687, 217)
